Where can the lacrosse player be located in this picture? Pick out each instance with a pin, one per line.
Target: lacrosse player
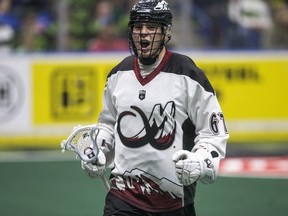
(161, 126)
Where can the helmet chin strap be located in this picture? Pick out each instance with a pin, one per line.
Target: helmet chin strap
(150, 60)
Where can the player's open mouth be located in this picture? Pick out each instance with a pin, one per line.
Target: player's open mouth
(144, 44)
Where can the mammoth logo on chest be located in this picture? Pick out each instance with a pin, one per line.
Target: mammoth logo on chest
(158, 129)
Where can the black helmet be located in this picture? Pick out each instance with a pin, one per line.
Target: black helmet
(157, 11)
(150, 11)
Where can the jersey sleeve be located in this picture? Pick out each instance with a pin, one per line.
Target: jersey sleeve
(210, 129)
(106, 122)
(108, 114)
(207, 116)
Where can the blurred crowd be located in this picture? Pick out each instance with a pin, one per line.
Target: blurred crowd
(101, 25)
(242, 24)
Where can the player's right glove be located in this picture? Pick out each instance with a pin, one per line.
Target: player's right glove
(104, 142)
(188, 166)
(97, 169)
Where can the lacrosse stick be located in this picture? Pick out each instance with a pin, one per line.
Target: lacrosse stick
(82, 141)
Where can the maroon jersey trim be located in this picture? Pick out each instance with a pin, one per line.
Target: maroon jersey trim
(154, 73)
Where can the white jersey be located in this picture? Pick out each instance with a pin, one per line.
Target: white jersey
(172, 108)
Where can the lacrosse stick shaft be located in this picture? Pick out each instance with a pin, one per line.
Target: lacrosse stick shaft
(105, 182)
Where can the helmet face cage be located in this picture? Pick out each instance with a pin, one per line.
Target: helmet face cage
(154, 12)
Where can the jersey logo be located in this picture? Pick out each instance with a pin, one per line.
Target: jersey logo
(142, 94)
(162, 5)
(158, 130)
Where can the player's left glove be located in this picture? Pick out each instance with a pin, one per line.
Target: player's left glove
(188, 166)
(202, 164)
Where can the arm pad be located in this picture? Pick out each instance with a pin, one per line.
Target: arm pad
(105, 142)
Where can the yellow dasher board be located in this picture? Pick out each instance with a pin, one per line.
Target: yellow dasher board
(68, 91)
(54, 93)
(253, 93)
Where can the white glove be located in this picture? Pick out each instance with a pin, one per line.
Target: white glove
(97, 169)
(188, 166)
(105, 142)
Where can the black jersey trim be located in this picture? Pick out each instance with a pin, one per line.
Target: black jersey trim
(183, 65)
(125, 65)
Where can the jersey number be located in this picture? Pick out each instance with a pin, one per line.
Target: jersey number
(215, 120)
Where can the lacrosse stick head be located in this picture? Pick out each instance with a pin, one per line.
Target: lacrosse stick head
(82, 141)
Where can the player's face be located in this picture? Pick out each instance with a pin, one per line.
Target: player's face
(147, 38)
